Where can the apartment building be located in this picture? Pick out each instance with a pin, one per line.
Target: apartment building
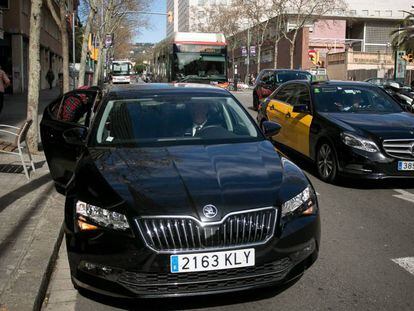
(14, 42)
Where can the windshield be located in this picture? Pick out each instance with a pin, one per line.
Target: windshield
(190, 65)
(282, 77)
(353, 99)
(162, 120)
(120, 69)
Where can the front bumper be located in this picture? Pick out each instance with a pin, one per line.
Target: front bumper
(360, 164)
(122, 266)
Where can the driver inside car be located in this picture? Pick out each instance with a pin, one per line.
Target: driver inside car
(201, 118)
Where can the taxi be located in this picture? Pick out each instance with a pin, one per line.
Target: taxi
(346, 128)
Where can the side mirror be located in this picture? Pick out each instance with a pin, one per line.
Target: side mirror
(75, 136)
(270, 128)
(300, 108)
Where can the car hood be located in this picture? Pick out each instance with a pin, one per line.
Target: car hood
(382, 126)
(181, 180)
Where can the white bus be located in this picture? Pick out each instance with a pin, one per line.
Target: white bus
(122, 71)
(191, 57)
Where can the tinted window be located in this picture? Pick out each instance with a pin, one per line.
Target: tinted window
(301, 96)
(174, 120)
(353, 99)
(285, 93)
(281, 77)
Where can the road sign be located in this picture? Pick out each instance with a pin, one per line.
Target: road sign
(400, 65)
(108, 40)
(244, 51)
(252, 50)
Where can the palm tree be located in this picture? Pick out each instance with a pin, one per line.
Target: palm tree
(404, 35)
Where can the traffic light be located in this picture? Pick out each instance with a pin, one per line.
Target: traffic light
(170, 17)
(314, 57)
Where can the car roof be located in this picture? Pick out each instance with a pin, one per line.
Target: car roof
(132, 90)
(332, 83)
(285, 70)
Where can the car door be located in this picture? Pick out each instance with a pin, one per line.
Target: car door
(298, 123)
(277, 110)
(72, 110)
(265, 87)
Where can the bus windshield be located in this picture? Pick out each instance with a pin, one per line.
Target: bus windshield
(121, 69)
(192, 65)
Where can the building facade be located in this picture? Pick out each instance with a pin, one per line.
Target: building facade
(14, 53)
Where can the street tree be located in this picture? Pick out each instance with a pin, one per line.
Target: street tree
(60, 20)
(300, 12)
(221, 19)
(404, 36)
(34, 73)
(112, 15)
(257, 14)
(91, 8)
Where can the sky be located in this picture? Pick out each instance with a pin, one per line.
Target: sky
(157, 23)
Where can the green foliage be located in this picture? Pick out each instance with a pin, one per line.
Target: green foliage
(404, 36)
(139, 68)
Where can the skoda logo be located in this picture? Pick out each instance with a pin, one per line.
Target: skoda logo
(210, 211)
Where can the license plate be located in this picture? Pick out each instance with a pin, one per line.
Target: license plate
(406, 165)
(212, 261)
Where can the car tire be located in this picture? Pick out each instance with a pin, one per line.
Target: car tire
(326, 163)
(255, 102)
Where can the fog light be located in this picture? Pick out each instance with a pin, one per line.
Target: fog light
(307, 249)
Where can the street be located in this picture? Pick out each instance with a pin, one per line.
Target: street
(366, 259)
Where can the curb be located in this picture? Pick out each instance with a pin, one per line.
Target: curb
(41, 294)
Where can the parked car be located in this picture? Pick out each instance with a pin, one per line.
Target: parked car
(160, 203)
(346, 128)
(269, 80)
(401, 92)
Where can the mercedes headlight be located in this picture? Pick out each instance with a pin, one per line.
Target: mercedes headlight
(359, 142)
(89, 215)
(302, 204)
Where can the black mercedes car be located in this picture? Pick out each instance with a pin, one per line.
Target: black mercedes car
(172, 190)
(347, 128)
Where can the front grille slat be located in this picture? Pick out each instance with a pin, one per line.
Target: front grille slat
(399, 148)
(183, 233)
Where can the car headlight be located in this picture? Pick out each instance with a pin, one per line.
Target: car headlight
(88, 215)
(359, 142)
(302, 204)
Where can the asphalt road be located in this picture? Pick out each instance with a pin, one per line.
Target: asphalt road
(367, 227)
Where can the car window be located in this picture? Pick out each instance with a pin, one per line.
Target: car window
(173, 120)
(75, 107)
(282, 77)
(285, 93)
(353, 99)
(265, 77)
(301, 96)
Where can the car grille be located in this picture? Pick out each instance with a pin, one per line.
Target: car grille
(399, 148)
(176, 283)
(184, 233)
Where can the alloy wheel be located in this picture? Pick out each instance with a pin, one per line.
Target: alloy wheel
(326, 162)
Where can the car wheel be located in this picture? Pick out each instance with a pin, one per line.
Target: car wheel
(255, 101)
(326, 163)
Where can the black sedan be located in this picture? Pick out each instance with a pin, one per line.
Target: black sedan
(347, 128)
(172, 190)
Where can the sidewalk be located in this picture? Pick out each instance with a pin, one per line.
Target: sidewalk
(31, 214)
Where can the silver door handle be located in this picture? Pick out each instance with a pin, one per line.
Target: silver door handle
(288, 115)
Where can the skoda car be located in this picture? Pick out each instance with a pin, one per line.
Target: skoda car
(172, 190)
(347, 128)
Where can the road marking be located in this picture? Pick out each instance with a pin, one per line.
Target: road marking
(404, 195)
(405, 262)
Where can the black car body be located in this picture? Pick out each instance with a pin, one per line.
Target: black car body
(133, 208)
(401, 92)
(367, 143)
(269, 80)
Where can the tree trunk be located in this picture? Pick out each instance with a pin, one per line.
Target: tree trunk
(292, 49)
(275, 54)
(98, 68)
(65, 47)
(85, 41)
(259, 58)
(34, 74)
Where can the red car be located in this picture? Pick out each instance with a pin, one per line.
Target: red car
(269, 80)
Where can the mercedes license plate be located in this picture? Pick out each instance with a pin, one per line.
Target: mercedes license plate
(212, 261)
(406, 165)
